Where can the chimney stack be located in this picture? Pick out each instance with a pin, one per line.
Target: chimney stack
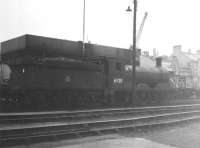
(159, 62)
(198, 51)
(177, 49)
(154, 53)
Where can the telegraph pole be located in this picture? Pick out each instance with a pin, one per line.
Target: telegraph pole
(134, 51)
(83, 46)
(1, 66)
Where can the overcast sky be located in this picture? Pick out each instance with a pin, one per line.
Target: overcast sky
(169, 22)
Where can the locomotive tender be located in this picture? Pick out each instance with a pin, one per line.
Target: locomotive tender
(48, 73)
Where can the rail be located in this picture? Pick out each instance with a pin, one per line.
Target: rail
(112, 120)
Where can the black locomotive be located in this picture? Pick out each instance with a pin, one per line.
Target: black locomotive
(47, 73)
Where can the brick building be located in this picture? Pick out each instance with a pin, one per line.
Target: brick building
(186, 67)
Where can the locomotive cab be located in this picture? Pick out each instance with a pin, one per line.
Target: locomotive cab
(119, 80)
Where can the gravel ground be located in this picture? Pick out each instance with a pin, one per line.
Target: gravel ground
(186, 135)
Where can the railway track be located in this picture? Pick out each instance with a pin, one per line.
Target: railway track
(6, 118)
(55, 125)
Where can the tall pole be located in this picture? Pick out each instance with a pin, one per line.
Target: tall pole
(1, 67)
(83, 47)
(134, 52)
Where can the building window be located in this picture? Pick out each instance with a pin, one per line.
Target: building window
(128, 67)
(21, 69)
(118, 80)
(118, 66)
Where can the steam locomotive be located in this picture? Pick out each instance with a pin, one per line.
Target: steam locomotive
(47, 73)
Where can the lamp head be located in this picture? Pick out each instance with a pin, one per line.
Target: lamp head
(129, 9)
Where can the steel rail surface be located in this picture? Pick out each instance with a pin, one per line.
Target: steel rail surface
(115, 120)
(98, 125)
(42, 116)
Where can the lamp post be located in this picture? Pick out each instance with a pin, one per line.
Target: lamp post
(134, 50)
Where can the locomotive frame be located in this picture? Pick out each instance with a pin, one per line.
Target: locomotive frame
(50, 73)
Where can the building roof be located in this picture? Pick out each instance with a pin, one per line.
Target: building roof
(191, 56)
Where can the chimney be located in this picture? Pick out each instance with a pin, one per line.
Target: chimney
(176, 49)
(159, 62)
(146, 53)
(154, 52)
(138, 54)
(198, 51)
